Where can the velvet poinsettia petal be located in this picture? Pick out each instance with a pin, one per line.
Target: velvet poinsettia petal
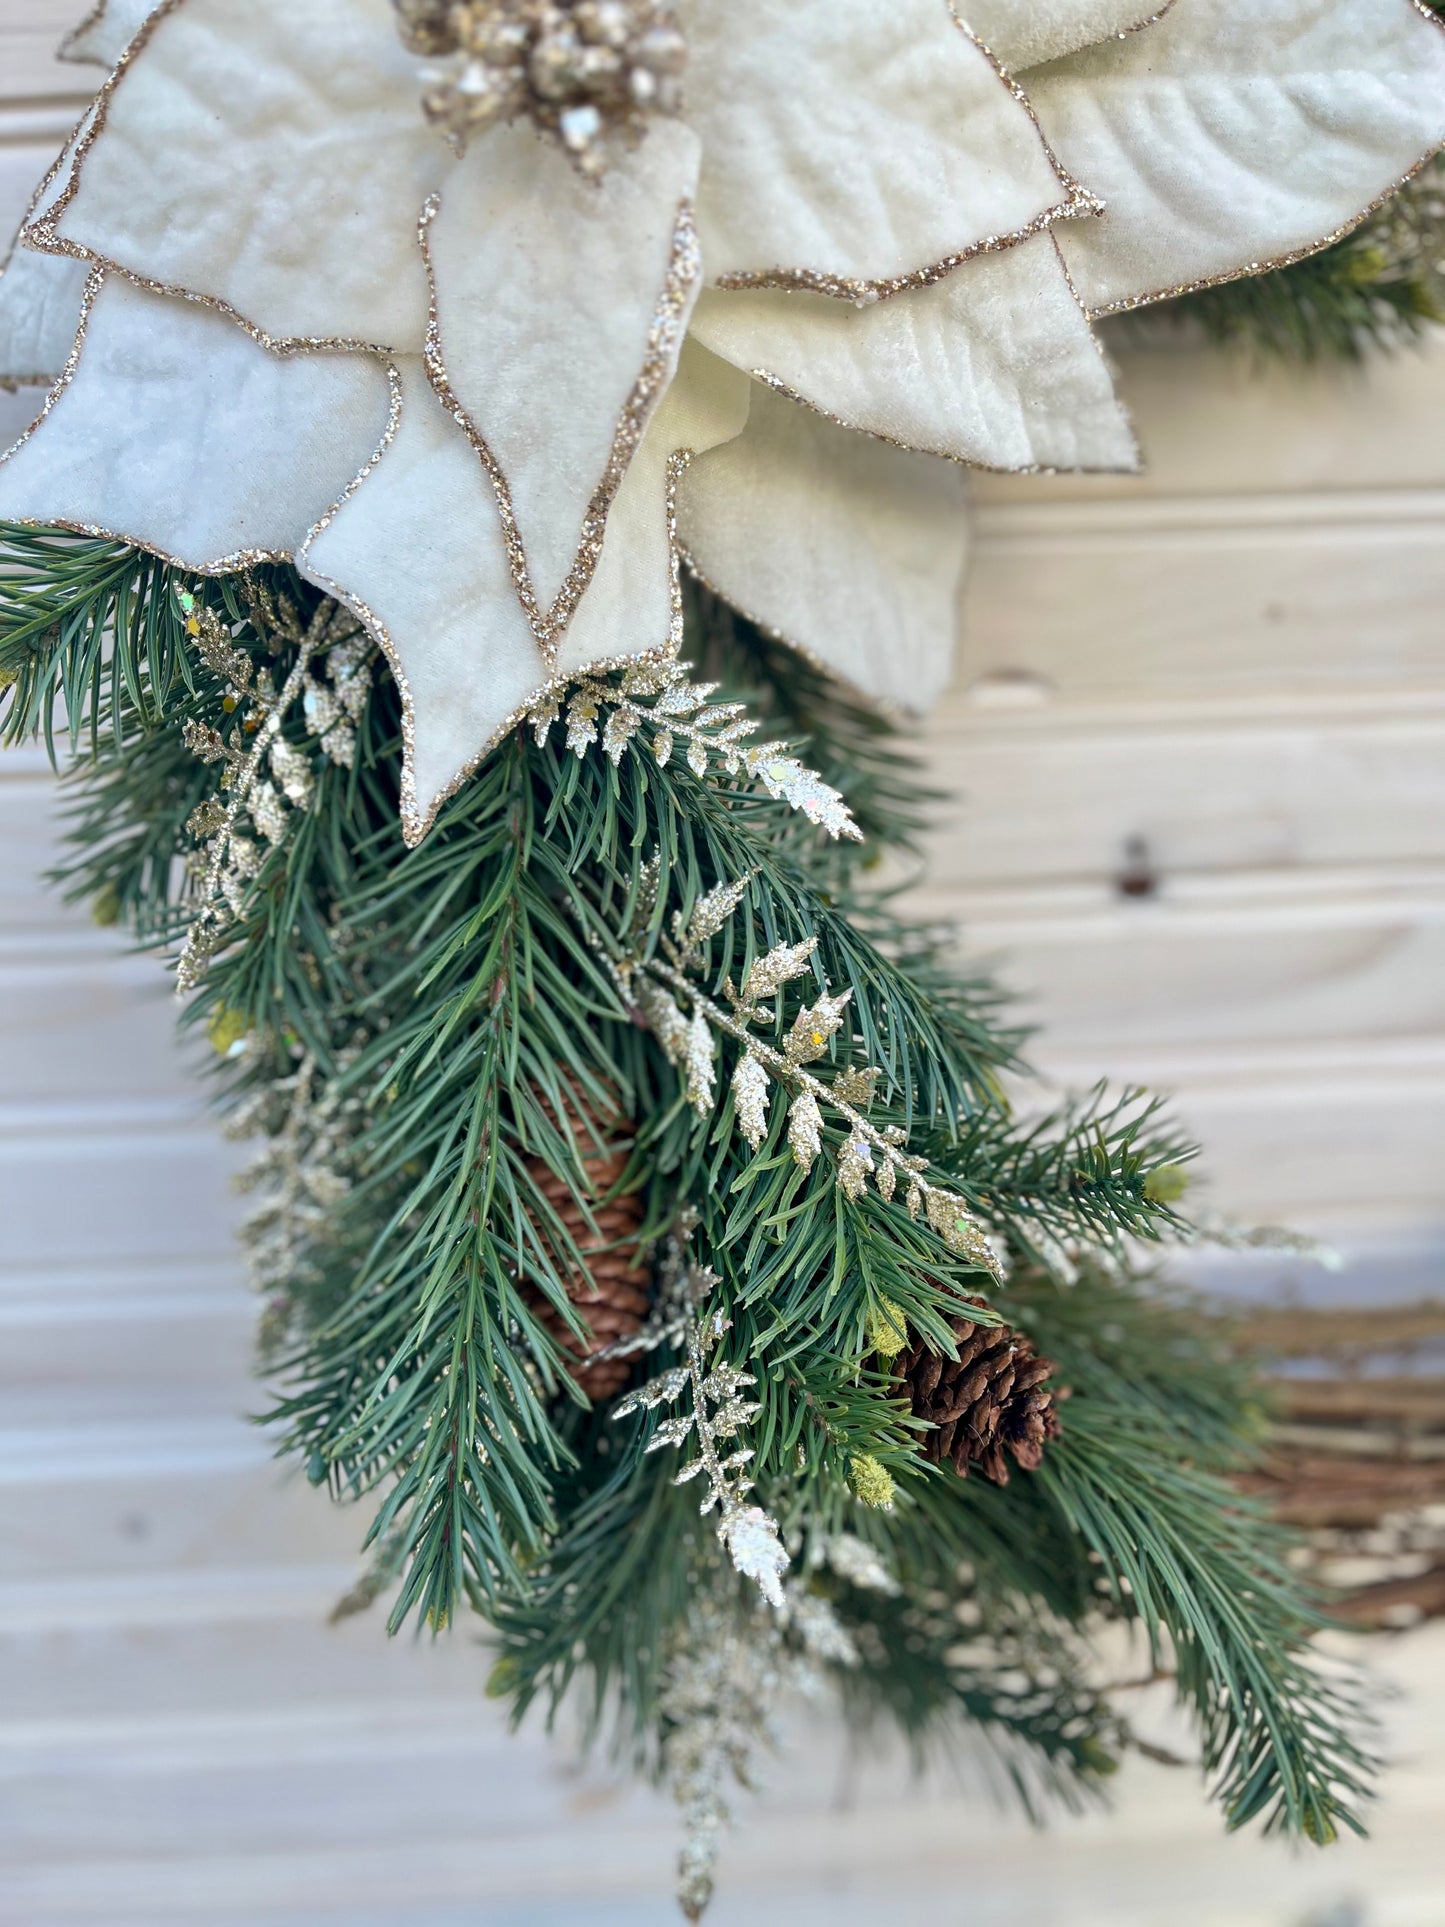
(561, 305)
(270, 158)
(416, 548)
(40, 300)
(106, 31)
(1023, 35)
(994, 365)
(1238, 133)
(177, 433)
(850, 550)
(632, 605)
(41, 294)
(847, 144)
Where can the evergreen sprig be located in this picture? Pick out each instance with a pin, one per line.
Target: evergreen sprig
(456, 1007)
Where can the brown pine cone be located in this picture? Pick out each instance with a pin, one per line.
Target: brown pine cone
(991, 1403)
(614, 1292)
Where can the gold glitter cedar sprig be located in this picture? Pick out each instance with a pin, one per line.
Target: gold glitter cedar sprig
(267, 777)
(296, 1178)
(584, 71)
(728, 1676)
(717, 1414)
(660, 702)
(868, 1153)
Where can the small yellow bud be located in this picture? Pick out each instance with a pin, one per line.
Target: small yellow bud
(1097, 1758)
(504, 1677)
(872, 1482)
(1366, 266)
(105, 909)
(8, 677)
(227, 1030)
(1167, 1185)
(887, 1329)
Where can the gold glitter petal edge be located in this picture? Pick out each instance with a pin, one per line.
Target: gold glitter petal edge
(66, 49)
(663, 342)
(12, 384)
(1078, 203)
(865, 293)
(1140, 26)
(47, 181)
(416, 822)
(40, 233)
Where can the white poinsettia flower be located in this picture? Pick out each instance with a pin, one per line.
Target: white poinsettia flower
(435, 299)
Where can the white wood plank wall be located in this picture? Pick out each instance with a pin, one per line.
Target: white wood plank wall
(1240, 661)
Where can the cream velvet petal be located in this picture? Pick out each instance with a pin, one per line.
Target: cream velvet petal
(994, 365)
(106, 31)
(1024, 32)
(40, 297)
(629, 608)
(853, 140)
(849, 549)
(416, 549)
(270, 157)
(1238, 132)
(179, 434)
(41, 294)
(553, 294)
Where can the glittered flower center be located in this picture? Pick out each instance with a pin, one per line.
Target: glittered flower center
(584, 70)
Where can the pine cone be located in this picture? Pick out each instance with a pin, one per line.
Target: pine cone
(614, 1292)
(994, 1400)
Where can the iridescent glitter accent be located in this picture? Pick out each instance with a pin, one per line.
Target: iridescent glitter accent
(585, 71)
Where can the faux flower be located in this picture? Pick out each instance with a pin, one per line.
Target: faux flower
(438, 300)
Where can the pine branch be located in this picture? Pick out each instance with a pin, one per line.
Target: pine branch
(950, 1675)
(1204, 1573)
(92, 631)
(1092, 1175)
(453, 1003)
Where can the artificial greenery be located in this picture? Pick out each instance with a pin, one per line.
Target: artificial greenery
(435, 1021)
